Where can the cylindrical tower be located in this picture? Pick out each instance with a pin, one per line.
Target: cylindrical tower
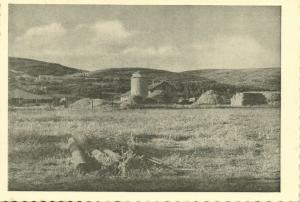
(139, 85)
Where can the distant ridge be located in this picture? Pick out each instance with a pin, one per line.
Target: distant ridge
(36, 67)
(152, 74)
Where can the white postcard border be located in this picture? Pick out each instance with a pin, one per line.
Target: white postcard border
(289, 114)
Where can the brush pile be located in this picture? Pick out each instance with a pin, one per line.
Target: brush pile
(114, 163)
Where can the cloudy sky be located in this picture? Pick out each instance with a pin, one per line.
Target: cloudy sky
(173, 38)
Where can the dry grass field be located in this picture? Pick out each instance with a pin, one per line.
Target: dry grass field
(231, 149)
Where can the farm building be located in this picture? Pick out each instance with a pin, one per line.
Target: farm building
(163, 92)
(182, 100)
(139, 85)
(44, 77)
(24, 77)
(272, 97)
(248, 98)
(125, 96)
(160, 92)
(19, 97)
(192, 99)
(49, 78)
(79, 74)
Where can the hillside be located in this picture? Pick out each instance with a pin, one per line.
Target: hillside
(124, 74)
(193, 83)
(187, 84)
(263, 78)
(35, 67)
(110, 83)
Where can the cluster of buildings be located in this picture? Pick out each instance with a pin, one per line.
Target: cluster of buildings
(165, 92)
(161, 92)
(49, 78)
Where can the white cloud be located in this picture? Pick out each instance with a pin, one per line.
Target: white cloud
(110, 29)
(110, 44)
(51, 30)
(84, 39)
(39, 39)
(162, 51)
(234, 51)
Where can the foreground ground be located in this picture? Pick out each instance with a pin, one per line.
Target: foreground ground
(223, 149)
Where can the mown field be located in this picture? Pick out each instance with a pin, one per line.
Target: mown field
(231, 149)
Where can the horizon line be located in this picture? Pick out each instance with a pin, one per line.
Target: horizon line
(132, 67)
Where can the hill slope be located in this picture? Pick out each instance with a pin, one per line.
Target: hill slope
(117, 80)
(256, 79)
(151, 74)
(35, 67)
(112, 82)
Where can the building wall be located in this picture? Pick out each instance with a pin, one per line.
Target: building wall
(125, 98)
(242, 99)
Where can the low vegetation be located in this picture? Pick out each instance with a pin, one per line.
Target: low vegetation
(36, 68)
(234, 149)
(250, 79)
(111, 83)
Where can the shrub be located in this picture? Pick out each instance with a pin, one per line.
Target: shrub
(136, 99)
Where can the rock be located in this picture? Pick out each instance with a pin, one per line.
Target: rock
(112, 155)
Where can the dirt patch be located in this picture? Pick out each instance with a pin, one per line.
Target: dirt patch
(87, 103)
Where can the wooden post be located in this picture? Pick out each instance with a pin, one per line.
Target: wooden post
(66, 102)
(78, 156)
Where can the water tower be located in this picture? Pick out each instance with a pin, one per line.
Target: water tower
(139, 85)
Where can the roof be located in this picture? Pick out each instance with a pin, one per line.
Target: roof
(21, 94)
(157, 93)
(137, 74)
(125, 94)
(156, 85)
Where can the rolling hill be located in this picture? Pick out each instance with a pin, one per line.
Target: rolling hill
(193, 83)
(117, 80)
(124, 74)
(262, 78)
(36, 67)
(112, 82)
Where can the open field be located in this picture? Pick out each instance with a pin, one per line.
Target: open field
(231, 149)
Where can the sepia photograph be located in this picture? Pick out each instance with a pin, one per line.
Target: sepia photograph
(144, 98)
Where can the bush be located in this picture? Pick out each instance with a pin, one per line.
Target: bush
(149, 100)
(136, 99)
